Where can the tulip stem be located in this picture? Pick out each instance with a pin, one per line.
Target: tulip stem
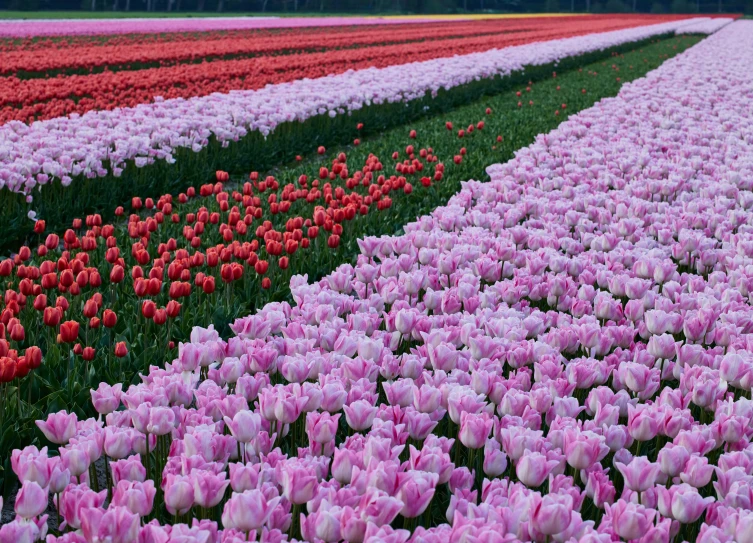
(108, 478)
(146, 458)
(295, 521)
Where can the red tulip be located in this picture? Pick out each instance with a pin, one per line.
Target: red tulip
(261, 267)
(266, 283)
(90, 309)
(120, 349)
(226, 272)
(6, 268)
(148, 309)
(33, 356)
(117, 274)
(69, 331)
(173, 309)
(89, 353)
(160, 317)
(109, 318)
(40, 302)
(51, 316)
(333, 241)
(17, 332)
(208, 285)
(7, 369)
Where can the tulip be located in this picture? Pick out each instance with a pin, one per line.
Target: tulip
(630, 520)
(534, 468)
(697, 472)
(179, 494)
(135, 496)
(244, 426)
(248, 511)
(360, 415)
(209, 489)
(69, 331)
(582, 449)
(298, 483)
(59, 428)
(639, 474)
(31, 500)
(551, 514)
(688, 505)
(76, 499)
(474, 429)
(416, 489)
(116, 525)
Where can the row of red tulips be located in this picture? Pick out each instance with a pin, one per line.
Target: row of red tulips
(173, 49)
(41, 98)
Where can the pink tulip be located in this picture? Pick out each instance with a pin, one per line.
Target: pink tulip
(324, 525)
(630, 520)
(360, 415)
(582, 449)
(321, 427)
(117, 525)
(244, 426)
(129, 469)
(688, 505)
(639, 474)
(31, 500)
(298, 483)
(416, 489)
(551, 514)
(495, 461)
(76, 499)
(534, 468)
(244, 476)
(643, 424)
(105, 398)
(59, 428)
(118, 442)
(19, 531)
(474, 429)
(248, 511)
(697, 472)
(179, 494)
(31, 464)
(209, 489)
(137, 497)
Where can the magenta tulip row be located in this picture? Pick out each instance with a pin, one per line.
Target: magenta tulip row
(75, 27)
(561, 354)
(67, 147)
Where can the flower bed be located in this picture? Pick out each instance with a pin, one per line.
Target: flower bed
(41, 160)
(142, 283)
(574, 331)
(29, 58)
(42, 98)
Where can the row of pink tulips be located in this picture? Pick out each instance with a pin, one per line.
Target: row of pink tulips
(560, 354)
(72, 27)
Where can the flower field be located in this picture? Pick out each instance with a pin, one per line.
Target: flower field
(488, 282)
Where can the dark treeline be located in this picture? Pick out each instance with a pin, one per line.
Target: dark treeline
(389, 6)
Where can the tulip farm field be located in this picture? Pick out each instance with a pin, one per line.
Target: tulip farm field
(362, 280)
